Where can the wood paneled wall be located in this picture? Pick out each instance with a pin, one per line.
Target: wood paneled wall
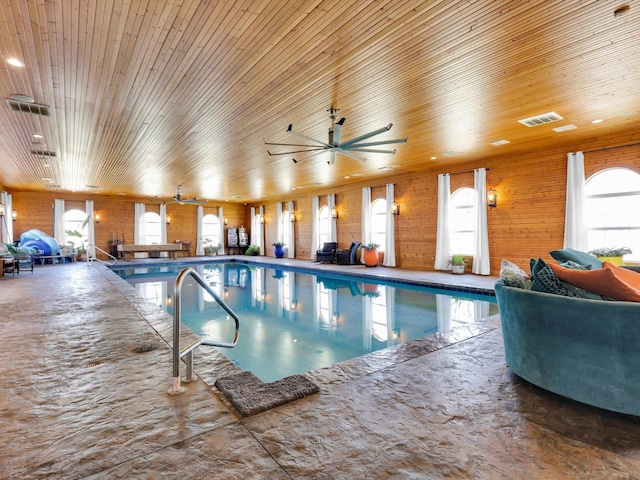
(528, 221)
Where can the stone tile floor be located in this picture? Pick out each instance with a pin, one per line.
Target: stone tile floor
(77, 402)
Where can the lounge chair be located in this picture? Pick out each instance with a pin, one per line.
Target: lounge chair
(327, 253)
(347, 257)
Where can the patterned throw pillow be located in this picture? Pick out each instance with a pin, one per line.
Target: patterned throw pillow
(4, 251)
(545, 280)
(513, 276)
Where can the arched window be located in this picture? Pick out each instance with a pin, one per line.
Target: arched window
(612, 203)
(211, 229)
(75, 227)
(462, 220)
(323, 225)
(285, 227)
(379, 223)
(151, 228)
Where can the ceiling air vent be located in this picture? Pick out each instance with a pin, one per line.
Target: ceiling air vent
(43, 153)
(540, 119)
(34, 108)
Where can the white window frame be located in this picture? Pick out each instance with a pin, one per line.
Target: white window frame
(378, 223)
(461, 210)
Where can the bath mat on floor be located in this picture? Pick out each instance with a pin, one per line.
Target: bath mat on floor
(250, 395)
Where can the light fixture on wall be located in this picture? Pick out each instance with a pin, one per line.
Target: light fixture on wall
(1, 209)
(168, 219)
(226, 220)
(492, 198)
(261, 220)
(97, 218)
(14, 215)
(395, 209)
(334, 213)
(293, 217)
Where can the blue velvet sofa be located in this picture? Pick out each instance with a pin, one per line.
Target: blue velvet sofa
(587, 350)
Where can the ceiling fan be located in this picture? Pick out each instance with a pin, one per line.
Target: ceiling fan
(186, 201)
(351, 148)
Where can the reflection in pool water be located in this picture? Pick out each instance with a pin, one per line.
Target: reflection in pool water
(293, 322)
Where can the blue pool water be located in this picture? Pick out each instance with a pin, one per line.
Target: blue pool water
(294, 322)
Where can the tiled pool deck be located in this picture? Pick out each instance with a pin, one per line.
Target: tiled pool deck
(78, 402)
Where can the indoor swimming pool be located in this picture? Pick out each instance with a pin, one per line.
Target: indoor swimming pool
(294, 321)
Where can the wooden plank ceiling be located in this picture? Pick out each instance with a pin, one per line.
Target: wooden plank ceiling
(145, 95)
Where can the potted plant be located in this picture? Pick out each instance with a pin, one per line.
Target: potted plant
(370, 254)
(279, 251)
(211, 249)
(252, 250)
(457, 263)
(82, 247)
(612, 255)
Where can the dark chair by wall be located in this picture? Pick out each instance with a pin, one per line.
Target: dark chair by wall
(327, 253)
(348, 257)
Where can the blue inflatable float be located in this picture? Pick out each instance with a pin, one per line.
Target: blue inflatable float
(41, 241)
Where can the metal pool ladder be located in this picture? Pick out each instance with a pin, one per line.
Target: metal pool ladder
(187, 352)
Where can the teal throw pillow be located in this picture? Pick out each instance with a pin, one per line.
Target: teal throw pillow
(582, 258)
(545, 280)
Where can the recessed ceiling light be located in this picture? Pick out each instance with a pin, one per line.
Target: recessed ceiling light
(564, 128)
(450, 154)
(37, 135)
(346, 176)
(356, 174)
(23, 98)
(433, 158)
(597, 120)
(15, 62)
(499, 142)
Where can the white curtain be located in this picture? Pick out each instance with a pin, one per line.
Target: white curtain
(199, 239)
(390, 236)
(163, 227)
(221, 227)
(139, 236)
(279, 222)
(261, 230)
(315, 202)
(6, 229)
(291, 252)
(58, 221)
(91, 232)
(443, 236)
(481, 263)
(333, 222)
(575, 226)
(366, 219)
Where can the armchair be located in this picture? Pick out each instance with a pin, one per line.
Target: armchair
(347, 257)
(327, 253)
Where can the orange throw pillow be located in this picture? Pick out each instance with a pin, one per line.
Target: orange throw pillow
(610, 281)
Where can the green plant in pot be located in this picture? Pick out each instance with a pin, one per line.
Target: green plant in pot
(457, 263)
(252, 250)
(611, 254)
(81, 244)
(211, 249)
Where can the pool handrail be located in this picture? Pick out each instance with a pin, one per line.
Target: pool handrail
(92, 258)
(177, 318)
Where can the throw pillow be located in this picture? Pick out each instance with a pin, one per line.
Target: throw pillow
(4, 251)
(545, 280)
(611, 281)
(582, 258)
(513, 276)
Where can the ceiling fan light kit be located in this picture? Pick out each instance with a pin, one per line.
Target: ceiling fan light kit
(351, 148)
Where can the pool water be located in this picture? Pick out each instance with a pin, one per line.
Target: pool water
(294, 322)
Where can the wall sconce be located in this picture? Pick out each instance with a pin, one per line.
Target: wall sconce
(226, 220)
(97, 218)
(334, 213)
(168, 219)
(395, 209)
(293, 218)
(492, 198)
(14, 215)
(261, 220)
(1, 208)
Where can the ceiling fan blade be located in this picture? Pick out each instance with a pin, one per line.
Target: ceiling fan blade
(352, 155)
(296, 151)
(289, 144)
(368, 150)
(368, 135)
(381, 142)
(289, 130)
(309, 156)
